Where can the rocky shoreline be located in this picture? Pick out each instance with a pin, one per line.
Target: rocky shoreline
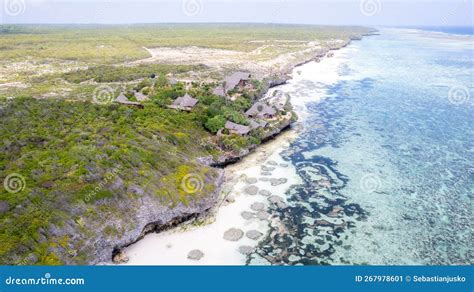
(156, 217)
(162, 221)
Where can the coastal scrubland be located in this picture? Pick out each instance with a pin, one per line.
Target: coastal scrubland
(91, 176)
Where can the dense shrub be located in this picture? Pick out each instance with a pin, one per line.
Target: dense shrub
(65, 150)
(215, 124)
(110, 73)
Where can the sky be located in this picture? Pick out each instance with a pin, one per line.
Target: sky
(339, 12)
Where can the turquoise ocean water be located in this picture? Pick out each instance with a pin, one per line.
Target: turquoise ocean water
(387, 158)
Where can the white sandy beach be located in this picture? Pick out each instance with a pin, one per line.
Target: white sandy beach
(172, 247)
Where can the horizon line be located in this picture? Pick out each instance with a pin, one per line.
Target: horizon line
(211, 22)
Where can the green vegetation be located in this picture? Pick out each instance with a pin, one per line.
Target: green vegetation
(78, 155)
(88, 168)
(65, 151)
(124, 73)
(109, 44)
(215, 123)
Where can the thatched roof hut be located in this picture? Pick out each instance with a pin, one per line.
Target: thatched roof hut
(255, 124)
(122, 99)
(185, 103)
(237, 129)
(231, 81)
(140, 96)
(260, 110)
(235, 79)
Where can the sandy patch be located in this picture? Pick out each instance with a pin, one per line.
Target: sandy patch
(270, 58)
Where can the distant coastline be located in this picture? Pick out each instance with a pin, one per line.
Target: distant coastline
(456, 30)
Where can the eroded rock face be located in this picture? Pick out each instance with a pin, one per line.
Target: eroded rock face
(195, 254)
(233, 234)
(141, 216)
(120, 258)
(206, 160)
(4, 207)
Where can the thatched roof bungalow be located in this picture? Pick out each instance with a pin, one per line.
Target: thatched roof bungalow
(237, 129)
(140, 96)
(185, 103)
(260, 110)
(255, 124)
(230, 82)
(122, 99)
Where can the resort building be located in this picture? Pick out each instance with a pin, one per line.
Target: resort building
(254, 124)
(234, 128)
(122, 99)
(140, 96)
(260, 110)
(237, 79)
(185, 103)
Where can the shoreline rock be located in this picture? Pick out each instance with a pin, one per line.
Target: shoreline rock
(153, 217)
(195, 255)
(233, 234)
